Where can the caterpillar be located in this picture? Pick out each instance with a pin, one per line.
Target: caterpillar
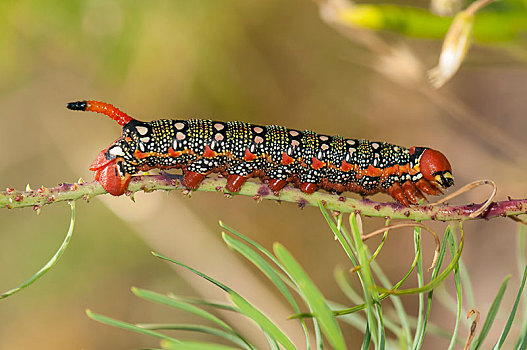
(276, 154)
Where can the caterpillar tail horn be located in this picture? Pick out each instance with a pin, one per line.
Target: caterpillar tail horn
(100, 107)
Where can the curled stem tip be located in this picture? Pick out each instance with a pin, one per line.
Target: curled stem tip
(469, 187)
(472, 327)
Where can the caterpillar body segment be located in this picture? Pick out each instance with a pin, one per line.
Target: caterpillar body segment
(276, 154)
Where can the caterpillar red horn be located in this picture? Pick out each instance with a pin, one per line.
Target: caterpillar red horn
(274, 153)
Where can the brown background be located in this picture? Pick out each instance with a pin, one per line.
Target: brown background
(267, 62)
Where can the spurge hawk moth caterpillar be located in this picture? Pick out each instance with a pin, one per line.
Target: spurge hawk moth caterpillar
(274, 153)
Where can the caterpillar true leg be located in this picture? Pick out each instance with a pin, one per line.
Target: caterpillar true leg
(397, 192)
(411, 192)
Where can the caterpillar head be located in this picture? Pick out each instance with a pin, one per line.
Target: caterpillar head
(110, 171)
(433, 165)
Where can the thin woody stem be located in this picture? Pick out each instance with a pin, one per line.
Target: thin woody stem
(477, 5)
(67, 192)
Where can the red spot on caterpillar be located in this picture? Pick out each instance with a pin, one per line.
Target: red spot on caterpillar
(308, 187)
(100, 107)
(192, 179)
(173, 153)
(276, 185)
(140, 155)
(249, 156)
(317, 164)
(286, 160)
(235, 182)
(372, 171)
(346, 166)
(390, 171)
(208, 153)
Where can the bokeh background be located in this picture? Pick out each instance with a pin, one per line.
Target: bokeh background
(267, 62)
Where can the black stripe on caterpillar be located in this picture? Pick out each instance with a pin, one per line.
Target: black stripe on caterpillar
(276, 154)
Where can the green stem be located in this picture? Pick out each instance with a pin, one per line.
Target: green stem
(69, 192)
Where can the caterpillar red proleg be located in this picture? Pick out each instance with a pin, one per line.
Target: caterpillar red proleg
(276, 154)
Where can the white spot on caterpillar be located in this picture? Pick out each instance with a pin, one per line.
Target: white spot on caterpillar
(142, 147)
(179, 125)
(258, 139)
(293, 133)
(324, 147)
(351, 142)
(116, 151)
(142, 130)
(145, 139)
(258, 130)
(352, 150)
(180, 135)
(219, 126)
(323, 138)
(295, 143)
(375, 145)
(396, 149)
(218, 137)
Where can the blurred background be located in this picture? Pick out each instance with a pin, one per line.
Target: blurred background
(266, 62)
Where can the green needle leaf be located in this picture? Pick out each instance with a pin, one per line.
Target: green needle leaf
(493, 311)
(128, 326)
(313, 297)
(50, 263)
(507, 328)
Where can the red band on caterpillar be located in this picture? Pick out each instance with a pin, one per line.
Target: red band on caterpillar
(276, 154)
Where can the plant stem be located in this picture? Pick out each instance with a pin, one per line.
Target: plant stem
(86, 190)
